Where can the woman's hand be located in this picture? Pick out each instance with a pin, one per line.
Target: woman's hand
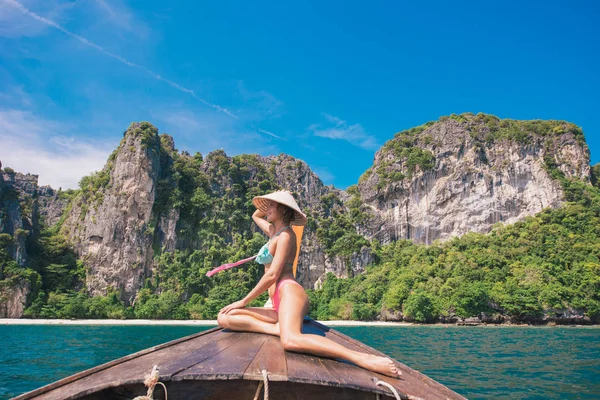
(233, 306)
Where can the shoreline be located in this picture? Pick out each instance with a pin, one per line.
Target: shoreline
(209, 322)
(142, 322)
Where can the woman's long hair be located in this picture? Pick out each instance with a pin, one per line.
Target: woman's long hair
(287, 214)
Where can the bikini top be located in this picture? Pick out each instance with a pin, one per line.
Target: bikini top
(264, 256)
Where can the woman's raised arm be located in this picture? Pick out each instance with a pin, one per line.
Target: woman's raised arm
(259, 219)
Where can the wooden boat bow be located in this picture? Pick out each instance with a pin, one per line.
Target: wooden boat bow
(221, 364)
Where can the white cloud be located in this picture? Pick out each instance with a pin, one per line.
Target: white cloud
(334, 120)
(21, 8)
(336, 128)
(117, 14)
(102, 13)
(103, 5)
(260, 105)
(14, 23)
(15, 95)
(271, 134)
(29, 144)
(183, 120)
(206, 132)
(325, 175)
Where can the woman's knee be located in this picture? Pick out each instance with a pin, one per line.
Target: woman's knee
(292, 342)
(223, 320)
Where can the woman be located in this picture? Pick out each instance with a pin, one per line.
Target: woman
(290, 301)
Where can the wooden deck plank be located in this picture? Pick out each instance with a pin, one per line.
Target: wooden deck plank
(351, 376)
(134, 370)
(229, 363)
(200, 354)
(305, 368)
(343, 373)
(102, 367)
(330, 372)
(411, 382)
(405, 384)
(270, 357)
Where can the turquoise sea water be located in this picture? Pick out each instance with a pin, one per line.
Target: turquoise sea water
(478, 362)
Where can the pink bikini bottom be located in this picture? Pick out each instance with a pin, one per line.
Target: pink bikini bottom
(276, 296)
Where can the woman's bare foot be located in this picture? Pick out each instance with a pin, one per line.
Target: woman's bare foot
(382, 365)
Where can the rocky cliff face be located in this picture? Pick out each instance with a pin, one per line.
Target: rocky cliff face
(117, 222)
(108, 220)
(465, 174)
(460, 174)
(294, 175)
(19, 224)
(24, 208)
(51, 205)
(13, 298)
(18, 211)
(314, 264)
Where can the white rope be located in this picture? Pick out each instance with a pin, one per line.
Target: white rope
(387, 385)
(151, 381)
(264, 383)
(393, 389)
(260, 385)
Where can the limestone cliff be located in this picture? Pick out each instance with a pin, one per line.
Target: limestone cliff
(295, 176)
(288, 173)
(466, 173)
(443, 179)
(13, 298)
(51, 205)
(18, 211)
(108, 219)
(19, 225)
(126, 213)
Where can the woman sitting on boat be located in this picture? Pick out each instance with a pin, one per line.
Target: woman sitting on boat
(290, 301)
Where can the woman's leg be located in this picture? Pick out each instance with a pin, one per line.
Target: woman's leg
(251, 319)
(292, 308)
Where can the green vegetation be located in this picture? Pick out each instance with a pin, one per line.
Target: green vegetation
(411, 156)
(595, 172)
(92, 187)
(365, 176)
(543, 264)
(213, 197)
(146, 132)
(336, 227)
(408, 154)
(409, 148)
(9, 194)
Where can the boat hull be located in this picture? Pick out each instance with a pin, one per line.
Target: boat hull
(224, 364)
(236, 390)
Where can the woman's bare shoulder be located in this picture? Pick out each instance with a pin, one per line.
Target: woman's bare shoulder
(288, 236)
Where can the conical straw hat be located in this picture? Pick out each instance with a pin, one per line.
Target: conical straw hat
(282, 197)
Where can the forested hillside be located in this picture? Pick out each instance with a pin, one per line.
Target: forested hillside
(136, 238)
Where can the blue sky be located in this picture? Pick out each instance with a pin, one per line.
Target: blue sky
(327, 82)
